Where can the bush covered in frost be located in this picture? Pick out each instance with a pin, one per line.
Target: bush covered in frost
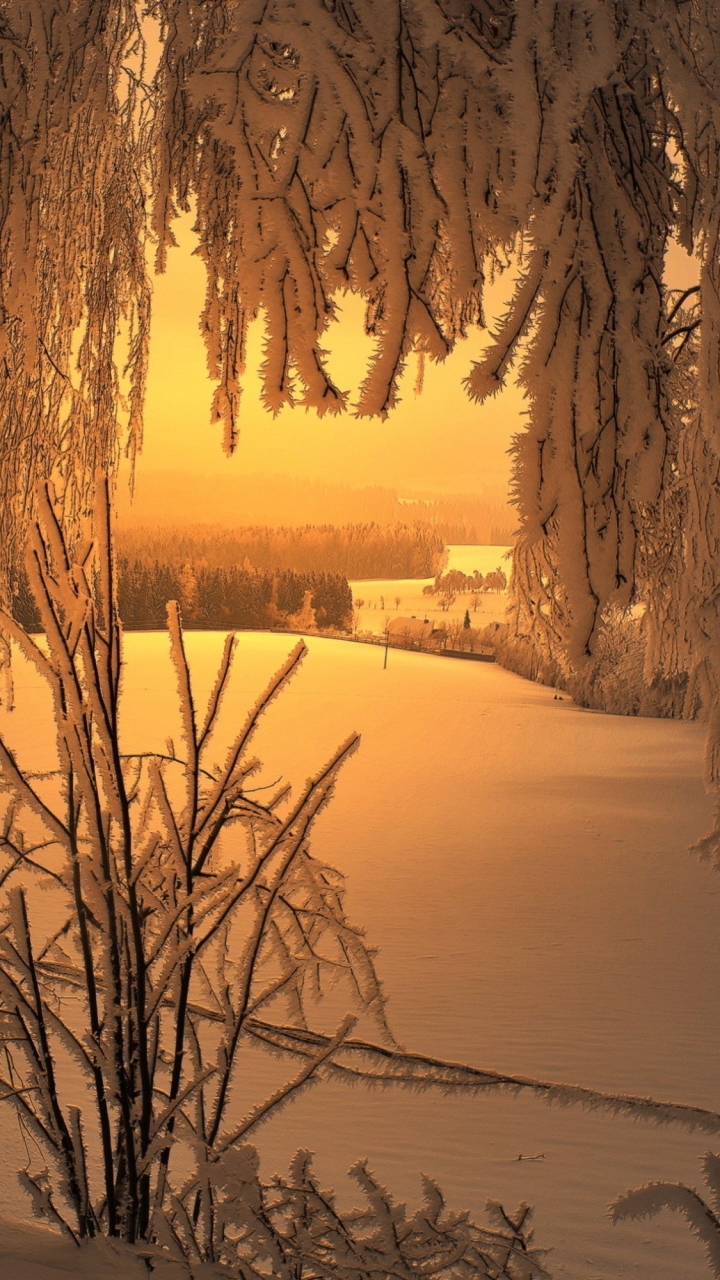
(613, 680)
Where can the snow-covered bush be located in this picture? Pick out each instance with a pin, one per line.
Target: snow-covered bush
(186, 903)
(187, 912)
(614, 680)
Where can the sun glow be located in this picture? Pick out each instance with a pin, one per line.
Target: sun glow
(435, 440)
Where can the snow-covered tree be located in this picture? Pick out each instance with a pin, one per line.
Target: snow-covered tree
(74, 291)
(400, 151)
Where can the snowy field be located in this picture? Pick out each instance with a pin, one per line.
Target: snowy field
(385, 599)
(481, 557)
(523, 867)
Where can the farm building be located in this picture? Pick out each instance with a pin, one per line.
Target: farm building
(415, 633)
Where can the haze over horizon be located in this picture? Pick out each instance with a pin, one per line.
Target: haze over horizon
(436, 441)
(183, 498)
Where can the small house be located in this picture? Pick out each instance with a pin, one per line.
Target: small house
(415, 633)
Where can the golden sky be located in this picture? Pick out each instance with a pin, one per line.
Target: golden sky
(435, 440)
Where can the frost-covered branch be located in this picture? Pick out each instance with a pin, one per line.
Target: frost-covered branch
(703, 1219)
(162, 910)
(73, 186)
(381, 1064)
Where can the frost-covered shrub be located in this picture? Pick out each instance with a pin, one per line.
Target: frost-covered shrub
(190, 917)
(185, 903)
(613, 680)
(702, 1218)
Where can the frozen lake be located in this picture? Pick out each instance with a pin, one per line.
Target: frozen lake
(523, 867)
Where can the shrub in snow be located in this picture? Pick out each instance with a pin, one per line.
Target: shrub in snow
(188, 911)
(614, 680)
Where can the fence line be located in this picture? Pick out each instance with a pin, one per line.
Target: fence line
(379, 641)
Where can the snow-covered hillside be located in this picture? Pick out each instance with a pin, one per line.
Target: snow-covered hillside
(523, 867)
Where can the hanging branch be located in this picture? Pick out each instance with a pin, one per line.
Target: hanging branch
(73, 179)
(318, 164)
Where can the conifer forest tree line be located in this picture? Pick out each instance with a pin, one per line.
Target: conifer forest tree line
(402, 151)
(252, 577)
(366, 550)
(209, 597)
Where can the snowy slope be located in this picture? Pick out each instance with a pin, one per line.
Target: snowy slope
(388, 598)
(523, 866)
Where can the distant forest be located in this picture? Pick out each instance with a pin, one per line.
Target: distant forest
(352, 550)
(217, 597)
(177, 499)
(257, 577)
(232, 596)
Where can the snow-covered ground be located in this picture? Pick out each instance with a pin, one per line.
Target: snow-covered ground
(523, 866)
(481, 557)
(388, 598)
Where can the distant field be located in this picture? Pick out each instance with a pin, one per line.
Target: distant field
(483, 558)
(380, 597)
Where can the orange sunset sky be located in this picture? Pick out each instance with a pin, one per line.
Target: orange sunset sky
(437, 440)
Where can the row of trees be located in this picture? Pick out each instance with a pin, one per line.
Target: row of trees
(217, 597)
(455, 581)
(354, 550)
